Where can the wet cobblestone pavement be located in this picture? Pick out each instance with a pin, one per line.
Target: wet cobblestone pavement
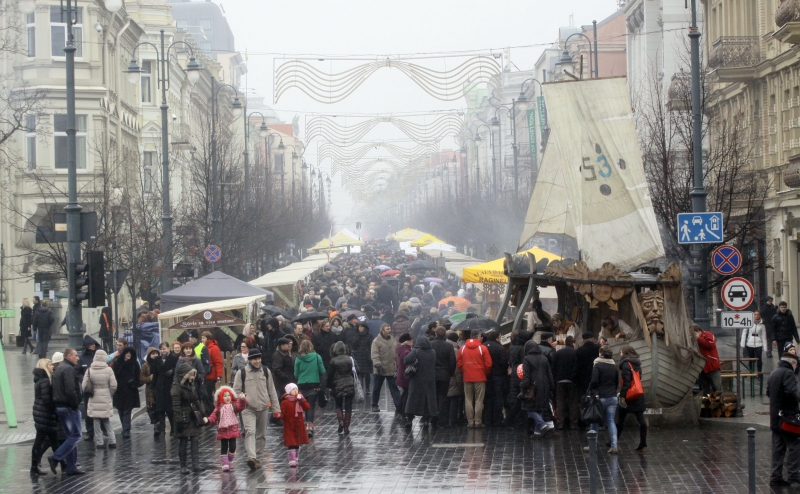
(379, 456)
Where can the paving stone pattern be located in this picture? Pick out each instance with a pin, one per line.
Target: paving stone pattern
(380, 456)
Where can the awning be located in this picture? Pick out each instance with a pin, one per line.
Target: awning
(407, 235)
(171, 317)
(424, 240)
(492, 272)
(211, 287)
(341, 239)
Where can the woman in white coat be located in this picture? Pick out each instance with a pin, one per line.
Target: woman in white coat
(100, 379)
(754, 340)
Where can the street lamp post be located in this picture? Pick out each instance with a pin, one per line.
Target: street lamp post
(134, 75)
(73, 209)
(592, 51)
(236, 109)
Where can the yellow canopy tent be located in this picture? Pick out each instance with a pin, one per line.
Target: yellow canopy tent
(424, 240)
(341, 239)
(407, 235)
(492, 272)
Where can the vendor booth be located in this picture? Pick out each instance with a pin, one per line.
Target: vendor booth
(211, 287)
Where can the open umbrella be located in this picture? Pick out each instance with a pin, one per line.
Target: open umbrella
(309, 316)
(331, 267)
(390, 278)
(460, 303)
(275, 311)
(420, 264)
(382, 267)
(433, 280)
(458, 317)
(390, 272)
(346, 314)
(483, 324)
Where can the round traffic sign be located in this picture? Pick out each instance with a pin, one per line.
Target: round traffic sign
(737, 293)
(213, 253)
(726, 260)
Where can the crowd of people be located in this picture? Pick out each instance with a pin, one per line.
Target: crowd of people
(354, 333)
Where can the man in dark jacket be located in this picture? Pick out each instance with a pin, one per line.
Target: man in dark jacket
(784, 327)
(323, 343)
(496, 383)
(564, 372)
(67, 397)
(768, 311)
(272, 332)
(584, 361)
(283, 364)
(43, 322)
(783, 397)
(90, 346)
(547, 346)
(445, 368)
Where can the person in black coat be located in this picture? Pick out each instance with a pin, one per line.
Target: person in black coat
(536, 374)
(90, 347)
(324, 341)
(283, 364)
(516, 353)
(768, 311)
(445, 368)
(161, 390)
(360, 343)
(564, 374)
(496, 381)
(106, 329)
(127, 373)
(784, 327)
(43, 322)
(44, 414)
(25, 324)
(422, 385)
(584, 362)
(628, 364)
(782, 391)
(271, 332)
(605, 380)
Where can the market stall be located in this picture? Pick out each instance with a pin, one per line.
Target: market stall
(243, 308)
(211, 287)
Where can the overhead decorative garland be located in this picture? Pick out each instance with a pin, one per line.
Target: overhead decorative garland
(343, 158)
(327, 128)
(333, 87)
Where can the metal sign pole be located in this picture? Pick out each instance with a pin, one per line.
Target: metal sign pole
(738, 373)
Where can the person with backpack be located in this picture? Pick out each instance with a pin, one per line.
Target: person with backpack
(631, 394)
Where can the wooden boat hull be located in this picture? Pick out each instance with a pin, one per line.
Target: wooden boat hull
(665, 378)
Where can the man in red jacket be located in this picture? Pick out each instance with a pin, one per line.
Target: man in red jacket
(215, 357)
(710, 377)
(475, 363)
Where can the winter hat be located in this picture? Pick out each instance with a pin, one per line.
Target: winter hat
(289, 387)
(283, 341)
(545, 335)
(587, 335)
(253, 353)
(219, 395)
(57, 357)
(405, 337)
(193, 334)
(787, 347)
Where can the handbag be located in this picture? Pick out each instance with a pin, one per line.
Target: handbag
(359, 390)
(789, 423)
(88, 389)
(322, 398)
(196, 417)
(636, 390)
(591, 409)
(151, 413)
(530, 393)
(411, 369)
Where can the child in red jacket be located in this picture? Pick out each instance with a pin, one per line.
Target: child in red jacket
(293, 406)
(225, 412)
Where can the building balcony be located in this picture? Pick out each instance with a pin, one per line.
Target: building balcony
(791, 175)
(734, 52)
(788, 11)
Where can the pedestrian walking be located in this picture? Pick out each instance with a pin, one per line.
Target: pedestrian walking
(309, 372)
(189, 356)
(783, 402)
(67, 396)
(360, 344)
(240, 359)
(90, 346)
(98, 387)
(564, 375)
(341, 382)
(536, 388)
(293, 406)
(768, 311)
(754, 341)
(605, 380)
(106, 334)
(128, 373)
(254, 382)
(147, 375)
(25, 326)
(422, 384)
(214, 375)
(784, 327)
(43, 321)
(496, 381)
(445, 367)
(45, 420)
(188, 416)
(225, 413)
(629, 364)
(283, 364)
(710, 379)
(384, 362)
(406, 342)
(475, 363)
(455, 392)
(162, 384)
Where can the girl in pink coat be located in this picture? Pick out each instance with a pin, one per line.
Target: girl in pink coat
(225, 416)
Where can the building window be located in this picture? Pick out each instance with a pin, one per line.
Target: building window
(30, 141)
(30, 21)
(148, 161)
(206, 46)
(182, 24)
(60, 141)
(146, 82)
(205, 23)
(58, 31)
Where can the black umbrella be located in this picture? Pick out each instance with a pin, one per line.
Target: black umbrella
(309, 316)
(290, 258)
(346, 314)
(331, 267)
(420, 264)
(275, 311)
(483, 324)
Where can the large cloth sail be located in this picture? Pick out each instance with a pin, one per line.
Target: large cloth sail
(597, 152)
(548, 211)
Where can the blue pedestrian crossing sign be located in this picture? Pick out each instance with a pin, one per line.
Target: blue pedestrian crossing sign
(213, 253)
(700, 228)
(726, 259)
